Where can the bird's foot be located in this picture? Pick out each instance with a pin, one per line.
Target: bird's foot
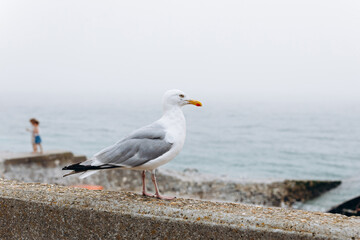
(147, 194)
(163, 197)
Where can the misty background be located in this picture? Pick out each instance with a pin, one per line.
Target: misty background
(88, 51)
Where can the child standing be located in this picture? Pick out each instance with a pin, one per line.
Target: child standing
(35, 135)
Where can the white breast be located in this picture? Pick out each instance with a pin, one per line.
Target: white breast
(175, 127)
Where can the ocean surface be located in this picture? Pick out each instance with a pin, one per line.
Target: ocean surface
(252, 140)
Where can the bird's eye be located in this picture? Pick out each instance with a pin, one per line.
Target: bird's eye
(181, 95)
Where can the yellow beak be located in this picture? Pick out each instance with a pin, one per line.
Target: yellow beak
(195, 102)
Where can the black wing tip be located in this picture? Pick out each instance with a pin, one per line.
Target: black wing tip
(82, 168)
(71, 167)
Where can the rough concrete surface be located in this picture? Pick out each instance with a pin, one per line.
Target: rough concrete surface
(46, 168)
(43, 211)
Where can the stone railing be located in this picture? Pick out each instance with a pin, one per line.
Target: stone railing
(44, 211)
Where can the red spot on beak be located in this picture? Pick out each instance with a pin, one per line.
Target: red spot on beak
(195, 102)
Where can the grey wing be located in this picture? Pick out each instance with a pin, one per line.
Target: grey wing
(141, 146)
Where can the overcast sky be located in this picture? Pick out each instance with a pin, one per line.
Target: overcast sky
(257, 48)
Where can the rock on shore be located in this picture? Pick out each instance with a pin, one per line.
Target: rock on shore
(47, 169)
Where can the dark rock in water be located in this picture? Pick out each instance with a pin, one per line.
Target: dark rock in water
(304, 190)
(348, 208)
(190, 170)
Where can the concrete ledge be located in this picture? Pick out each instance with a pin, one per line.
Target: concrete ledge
(43, 211)
(48, 159)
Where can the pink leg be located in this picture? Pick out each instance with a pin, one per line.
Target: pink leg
(144, 187)
(157, 193)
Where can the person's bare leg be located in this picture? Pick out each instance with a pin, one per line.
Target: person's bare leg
(41, 149)
(157, 193)
(144, 193)
(34, 148)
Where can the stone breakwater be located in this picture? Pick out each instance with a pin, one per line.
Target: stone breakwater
(44, 211)
(47, 169)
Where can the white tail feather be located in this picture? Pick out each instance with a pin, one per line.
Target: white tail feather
(88, 173)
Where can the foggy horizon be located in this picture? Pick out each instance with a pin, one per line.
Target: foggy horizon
(298, 51)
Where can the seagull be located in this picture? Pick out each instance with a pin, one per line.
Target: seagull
(146, 148)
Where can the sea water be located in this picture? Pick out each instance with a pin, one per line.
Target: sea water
(253, 140)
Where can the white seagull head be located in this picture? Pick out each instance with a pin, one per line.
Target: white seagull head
(177, 98)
